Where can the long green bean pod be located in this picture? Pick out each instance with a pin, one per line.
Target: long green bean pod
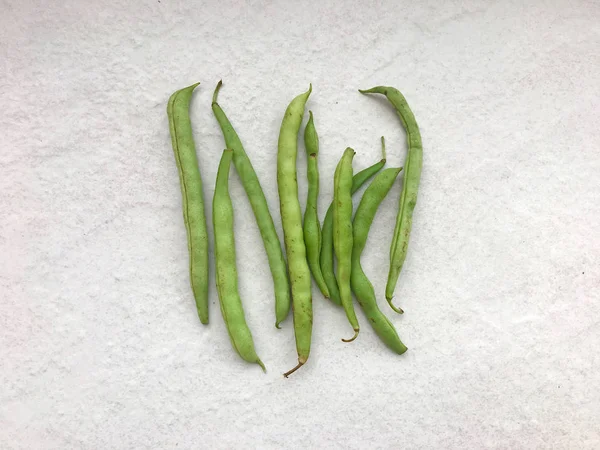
(261, 211)
(342, 234)
(226, 272)
(326, 258)
(361, 286)
(291, 219)
(410, 186)
(312, 226)
(182, 139)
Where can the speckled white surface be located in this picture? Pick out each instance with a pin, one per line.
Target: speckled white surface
(100, 346)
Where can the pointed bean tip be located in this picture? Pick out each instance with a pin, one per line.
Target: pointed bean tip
(216, 93)
(395, 308)
(260, 363)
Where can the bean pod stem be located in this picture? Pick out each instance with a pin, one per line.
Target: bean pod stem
(410, 186)
(261, 211)
(182, 139)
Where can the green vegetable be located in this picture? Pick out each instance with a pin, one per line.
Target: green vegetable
(261, 212)
(178, 112)
(326, 258)
(410, 186)
(361, 286)
(342, 234)
(312, 227)
(227, 285)
(291, 218)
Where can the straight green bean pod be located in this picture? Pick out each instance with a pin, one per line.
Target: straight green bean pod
(410, 186)
(342, 234)
(326, 258)
(312, 226)
(291, 219)
(227, 284)
(261, 211)
(182, 139)
(361, 286)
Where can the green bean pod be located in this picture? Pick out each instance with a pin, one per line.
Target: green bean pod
(182, 139)
(261, 211)
(326, 258)
(291, 219)
(410, 186)
(227, 284)
(312, 226)
(342, 234)
(361, 286)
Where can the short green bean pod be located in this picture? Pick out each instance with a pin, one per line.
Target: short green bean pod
(312, 227)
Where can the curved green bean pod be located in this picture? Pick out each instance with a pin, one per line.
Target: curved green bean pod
(410, 186)
(291, 219)
(227, 285)
(326, 258)
(182, 139)
(312, 226)
(261, 211)
(361, 286)
(342, 234)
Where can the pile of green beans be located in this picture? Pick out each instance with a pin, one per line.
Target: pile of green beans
(328, 253)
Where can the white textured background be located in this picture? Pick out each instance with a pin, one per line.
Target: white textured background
(100, 345)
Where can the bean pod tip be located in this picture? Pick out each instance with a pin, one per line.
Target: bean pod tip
(289, 372)
(395, 308)
(356, 331)
(216, 93)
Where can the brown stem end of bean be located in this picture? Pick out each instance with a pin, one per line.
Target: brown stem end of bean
(289, 372)
(395, 308)
(216, 93)
(356, 331)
